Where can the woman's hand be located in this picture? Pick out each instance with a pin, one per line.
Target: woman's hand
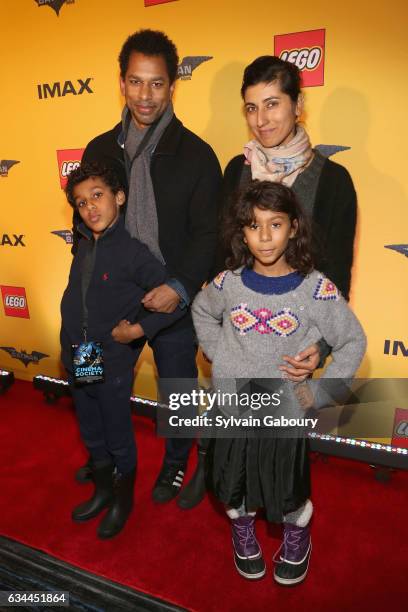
(124, 332)
(303, 364)
(304, 395)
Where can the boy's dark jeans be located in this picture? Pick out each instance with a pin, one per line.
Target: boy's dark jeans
(104, 416)
(103, 409)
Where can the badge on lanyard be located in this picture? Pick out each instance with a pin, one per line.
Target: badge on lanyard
(87, 362)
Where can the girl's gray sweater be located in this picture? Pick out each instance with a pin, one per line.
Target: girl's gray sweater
(246, 333)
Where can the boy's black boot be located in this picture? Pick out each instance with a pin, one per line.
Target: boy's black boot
(120, 507)
(84, 473)
(102, 496)
(194, 492)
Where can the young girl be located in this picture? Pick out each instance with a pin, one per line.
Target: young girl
(270, 303)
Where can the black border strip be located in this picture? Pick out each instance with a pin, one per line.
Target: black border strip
(23, 568)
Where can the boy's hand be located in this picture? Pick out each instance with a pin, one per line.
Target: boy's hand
(124, 332)
(303, 364)
(304, 395)
(161, 299)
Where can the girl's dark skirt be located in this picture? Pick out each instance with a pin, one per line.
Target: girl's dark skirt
(269, 473)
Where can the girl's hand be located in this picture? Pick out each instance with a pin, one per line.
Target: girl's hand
(124, 332)
(301, 366)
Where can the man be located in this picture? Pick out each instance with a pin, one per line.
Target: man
(174, 183)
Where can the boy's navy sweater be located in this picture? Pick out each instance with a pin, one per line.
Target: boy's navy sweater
(121, 270)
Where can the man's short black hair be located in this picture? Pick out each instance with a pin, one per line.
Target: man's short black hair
(92, 170)
(153, 43)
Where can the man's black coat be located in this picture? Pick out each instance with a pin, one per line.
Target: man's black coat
(187, 180)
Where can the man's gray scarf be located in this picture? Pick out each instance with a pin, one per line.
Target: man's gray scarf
(141, 212)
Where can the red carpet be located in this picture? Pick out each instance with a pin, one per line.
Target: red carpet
(360, 535)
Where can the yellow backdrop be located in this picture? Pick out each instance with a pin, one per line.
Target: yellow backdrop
(362, 105)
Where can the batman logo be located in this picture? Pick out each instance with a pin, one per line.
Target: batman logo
(400, 248)
(56, 5)
(329, 150)
(64, 234)
(6, 164)
(190, 63)
(23, 356)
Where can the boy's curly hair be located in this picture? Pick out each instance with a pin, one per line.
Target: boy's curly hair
(88, 170)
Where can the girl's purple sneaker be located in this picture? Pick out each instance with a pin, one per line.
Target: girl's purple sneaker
(247, 552)
(292, 558)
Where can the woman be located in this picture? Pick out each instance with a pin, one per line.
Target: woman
(281, 152)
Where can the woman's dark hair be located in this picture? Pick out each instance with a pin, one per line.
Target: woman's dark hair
(269, 68)
(153, 43)
(266, 196)
(92, 170)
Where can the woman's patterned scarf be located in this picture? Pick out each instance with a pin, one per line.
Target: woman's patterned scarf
(279, 164)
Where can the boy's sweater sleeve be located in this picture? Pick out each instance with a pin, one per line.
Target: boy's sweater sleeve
(156, 321)
(207, 310)
(148, 273)
(343, 332)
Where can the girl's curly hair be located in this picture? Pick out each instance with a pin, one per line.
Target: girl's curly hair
(276, 197)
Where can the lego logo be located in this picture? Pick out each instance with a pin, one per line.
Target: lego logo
(15, 301)
(68, 166)
(402, 429)
(305, 59)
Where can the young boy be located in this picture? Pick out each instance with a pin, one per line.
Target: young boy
(101, 322)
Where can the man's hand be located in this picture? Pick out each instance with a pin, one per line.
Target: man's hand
(124, 332)
(302, 365)
(161, 299)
